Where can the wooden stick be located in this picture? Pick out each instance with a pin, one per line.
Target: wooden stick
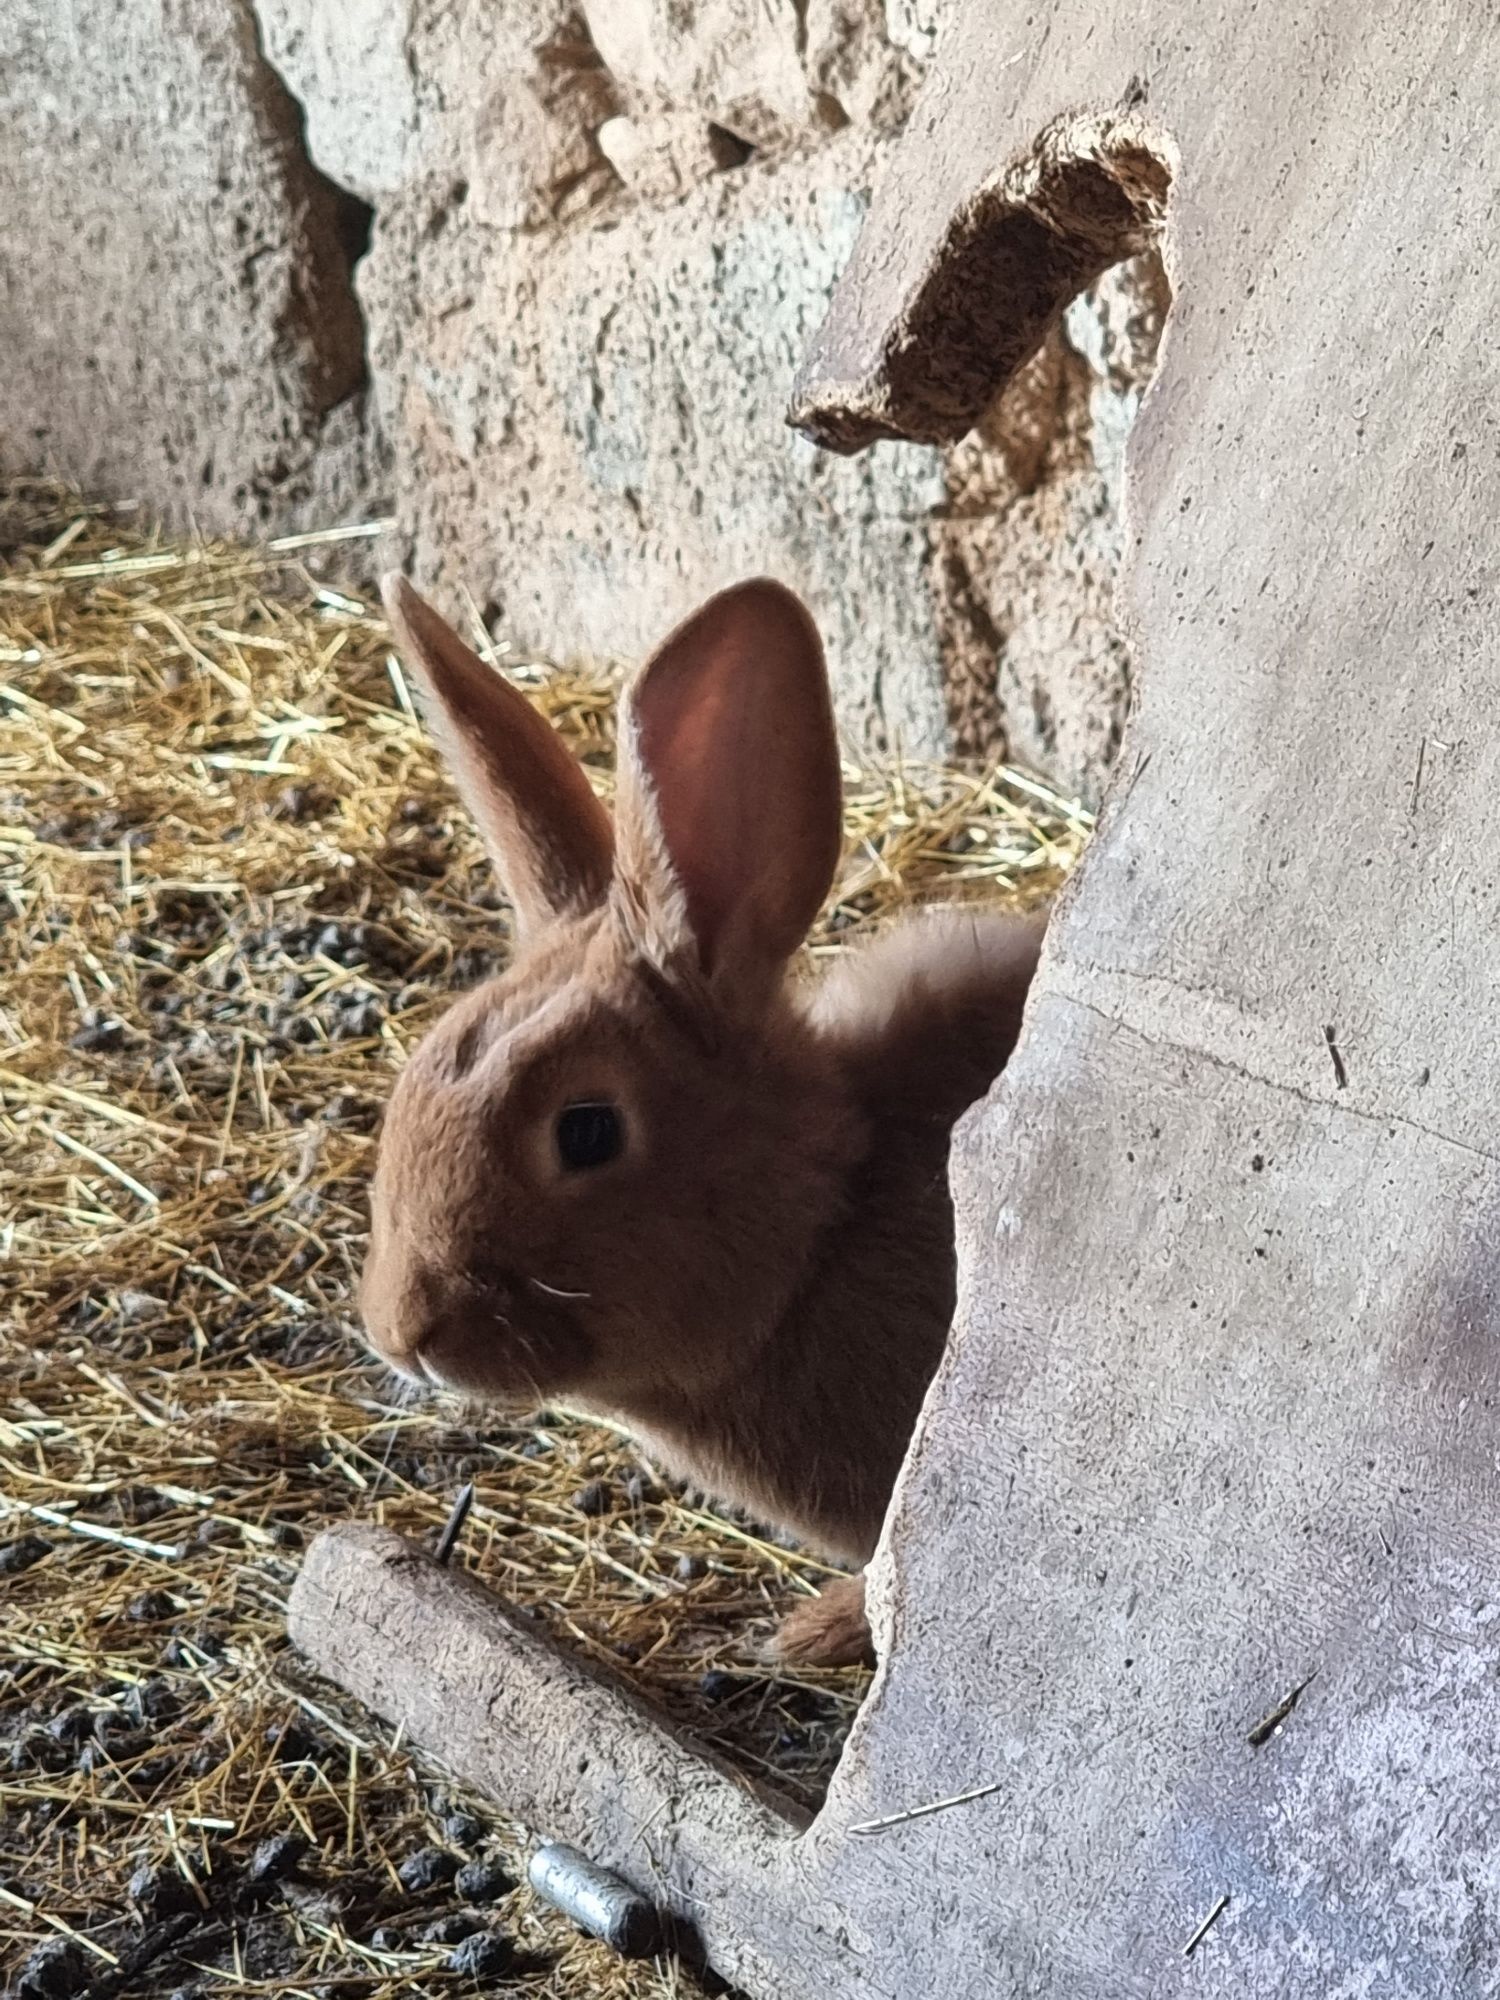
(548, 1737)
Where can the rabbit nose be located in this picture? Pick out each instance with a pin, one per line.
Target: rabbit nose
(401, 1312)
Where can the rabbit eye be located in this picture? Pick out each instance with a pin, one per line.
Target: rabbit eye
(589, 1135)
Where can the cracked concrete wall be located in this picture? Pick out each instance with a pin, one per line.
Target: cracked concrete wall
(602, 234)
(176, 316)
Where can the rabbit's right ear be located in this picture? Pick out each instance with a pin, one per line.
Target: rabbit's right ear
(549, 836)
(729, 807)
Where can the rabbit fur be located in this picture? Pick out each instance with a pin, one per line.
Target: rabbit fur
(758, 1280)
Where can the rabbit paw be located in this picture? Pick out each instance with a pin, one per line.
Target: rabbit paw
(829, 1630)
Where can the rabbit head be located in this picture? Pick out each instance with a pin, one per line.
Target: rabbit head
(601, 1174)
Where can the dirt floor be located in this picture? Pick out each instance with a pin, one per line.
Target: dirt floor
(234, 889)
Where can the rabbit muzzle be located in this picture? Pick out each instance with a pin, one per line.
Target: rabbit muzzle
(483, 1335)
(409, 1317)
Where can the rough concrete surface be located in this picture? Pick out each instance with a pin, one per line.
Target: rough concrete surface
(1218, 1420)
(176, 316)
(586, 397)
(600, 237)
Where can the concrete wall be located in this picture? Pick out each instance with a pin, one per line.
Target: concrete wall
(535, 278)
(176, 318)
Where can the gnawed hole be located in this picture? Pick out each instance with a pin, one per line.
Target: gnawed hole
(1027, 550)
(1025, 350)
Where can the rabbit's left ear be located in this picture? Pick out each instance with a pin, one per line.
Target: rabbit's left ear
(548, 835)
(728, 812)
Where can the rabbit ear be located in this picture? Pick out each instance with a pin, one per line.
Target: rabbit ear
(728, 809)
(549, 836)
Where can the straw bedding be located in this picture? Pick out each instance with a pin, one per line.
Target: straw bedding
(234, 889)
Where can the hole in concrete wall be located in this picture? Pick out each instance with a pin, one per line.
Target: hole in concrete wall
(337, 225)
(446, 209)
(728, 148)
(355, 221)
(1091, 193)
(1027, 549)
(1033, 394)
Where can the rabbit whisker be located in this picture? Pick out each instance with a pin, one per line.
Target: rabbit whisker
(401, 1384)
(556, 1291)
(534, 1397)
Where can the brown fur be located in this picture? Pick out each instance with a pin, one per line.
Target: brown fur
(760, 1286)
(829, 1630)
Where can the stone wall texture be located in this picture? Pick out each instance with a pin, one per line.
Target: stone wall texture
(534, 278)
(176, 317)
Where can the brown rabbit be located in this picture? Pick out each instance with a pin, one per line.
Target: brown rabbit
(644, 1173)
